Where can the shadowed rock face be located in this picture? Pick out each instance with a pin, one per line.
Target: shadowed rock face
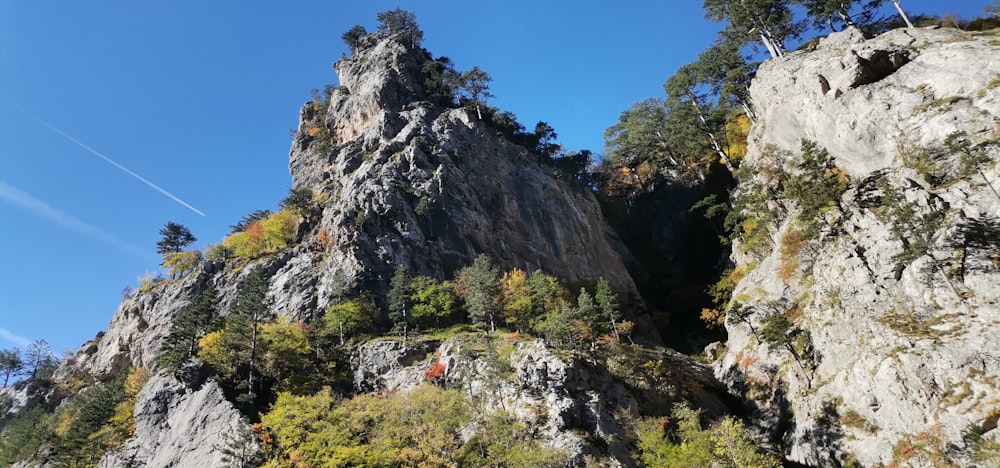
(891, 351)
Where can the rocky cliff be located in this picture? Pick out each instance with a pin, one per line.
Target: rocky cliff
(396, 180)
(869, 333)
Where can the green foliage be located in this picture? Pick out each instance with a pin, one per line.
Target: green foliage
(175, 237)
(440, 80)
(84, 416)
(192, 322)
(399, 300)
(479, 286)
(473, 87)
(287, 352)
(777, 331)
(421, 428)
(752, 217)
(434, 302)
(771, 21)
(235, 351)
(606, 301)
(39, 360)
(816, 188)
(11, 364)
(354, 317)
(401, 22)
(24, 434)
(984, 450)
(352, 37)
(725, 443)
(917, 232)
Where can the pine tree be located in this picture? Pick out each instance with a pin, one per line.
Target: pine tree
(401, 22)
(175, 237)
(11, 364)
(607, 305)
(192, 322)
(242, 331)
(399, 299)
(474, 85)
(480, 286)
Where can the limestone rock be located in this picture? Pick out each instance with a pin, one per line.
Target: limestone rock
(889, 352)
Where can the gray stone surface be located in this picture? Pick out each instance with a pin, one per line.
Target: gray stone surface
(894, 353)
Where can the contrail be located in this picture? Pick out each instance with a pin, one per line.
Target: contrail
(14, 196)
(109, 160)
(16, 339)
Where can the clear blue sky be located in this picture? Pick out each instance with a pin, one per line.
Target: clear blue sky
(198, 98)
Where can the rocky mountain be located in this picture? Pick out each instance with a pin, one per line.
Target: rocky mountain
(870, 334)
(394, 180)
(863, 290)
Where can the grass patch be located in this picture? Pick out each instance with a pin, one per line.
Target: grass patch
(943, 103)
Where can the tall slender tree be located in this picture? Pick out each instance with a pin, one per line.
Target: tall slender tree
(480, 287)
(242, 332)
(474, 86)
(192, 322)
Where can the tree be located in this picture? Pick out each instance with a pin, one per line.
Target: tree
(607, 305)
(772, 20)
(639, 135)
(546, 137)
(192, 322)
(434, 302)
(287, 351)
(474, 86)
(827, 12)
(517, 306)
(247, 220)
(240, 338)
(353, 36)
(175, 238)
(351, 317)
(399, 299)
(902, 14)
(440, 80)
(480, 287)
(39, 359)
(401, 22)
(11, 364)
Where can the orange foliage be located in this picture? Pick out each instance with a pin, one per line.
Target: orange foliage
(437, 369)
(748, 361)
(255, 231)
(314, 131)
(323, 239)
(791, 244)
(713, 318)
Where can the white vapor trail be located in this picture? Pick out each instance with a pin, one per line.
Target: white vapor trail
(16, 339)
(109, 160)
(14, 196)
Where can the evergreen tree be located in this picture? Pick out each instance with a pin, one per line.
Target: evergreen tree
(192, 322)
(241, 337)
(607, 304)
(474, 86)
(399, 299)
(11, 364)
(39, 359)
(175, 238)
(772, 20)
(246, 221)
(401, 22)
(353, 36)
(480, 286)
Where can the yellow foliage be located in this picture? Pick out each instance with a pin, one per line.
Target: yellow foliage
(179, 263)
(265, 236)
(211, 350)
(737, 130)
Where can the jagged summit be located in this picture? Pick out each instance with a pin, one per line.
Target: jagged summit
(430, 187)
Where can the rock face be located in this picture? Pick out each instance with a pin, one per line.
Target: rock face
(410, 183)
(399, 181)
(890, 358)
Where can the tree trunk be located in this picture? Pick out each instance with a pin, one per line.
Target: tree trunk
(902, 13)
(711, 136)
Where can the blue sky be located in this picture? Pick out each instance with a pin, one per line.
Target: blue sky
(193, 102)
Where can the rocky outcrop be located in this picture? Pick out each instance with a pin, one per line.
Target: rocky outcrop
(569, 403)
(180, 424)
(411, 183)
(398, 181)
(894, 305)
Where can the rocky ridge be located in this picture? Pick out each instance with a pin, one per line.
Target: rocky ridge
(399, 182)
(892, 359)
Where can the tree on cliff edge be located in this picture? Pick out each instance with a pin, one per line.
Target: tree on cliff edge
(402, 22)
